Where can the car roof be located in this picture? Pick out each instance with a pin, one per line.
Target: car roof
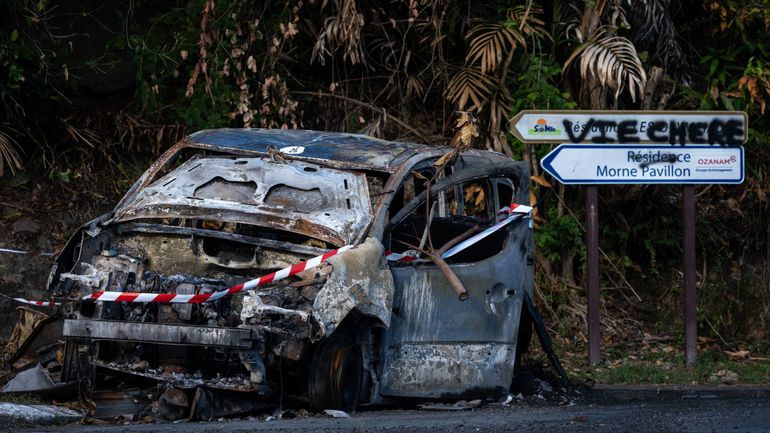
(354, 150)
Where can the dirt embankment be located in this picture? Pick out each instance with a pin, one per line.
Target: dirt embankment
(38, 216)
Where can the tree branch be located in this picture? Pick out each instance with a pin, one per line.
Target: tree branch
(395, 120)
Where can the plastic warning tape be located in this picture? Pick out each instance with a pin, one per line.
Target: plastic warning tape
(406, 256)
(48, 303)
(38, 303)
(515, 211)
(174, 298)
(29, 253)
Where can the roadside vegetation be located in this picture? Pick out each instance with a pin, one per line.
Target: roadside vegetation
(665, 366)
(91, 92)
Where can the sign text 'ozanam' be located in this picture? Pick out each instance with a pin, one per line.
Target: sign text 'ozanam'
(724, 128)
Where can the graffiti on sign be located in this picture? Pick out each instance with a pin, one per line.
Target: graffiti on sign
(629, 127)
(729, 133)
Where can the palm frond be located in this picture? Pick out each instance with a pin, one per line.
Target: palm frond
(82, 135)
(414, 86)
(469, 84)
(613, 61)
(617, 14)
(526, 19)
(652, 21)
(341, 31)
(490, 43)
(9, 154)
(570, 21)
(653, 28)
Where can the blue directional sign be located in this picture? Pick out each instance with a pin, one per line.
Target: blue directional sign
(633, 163)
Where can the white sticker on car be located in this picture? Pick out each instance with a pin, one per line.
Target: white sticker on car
(292, 150)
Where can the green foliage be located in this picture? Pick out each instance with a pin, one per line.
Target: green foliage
(722, 65)
(61, 176)
(217, 83)
(560, 234)
(537, 86)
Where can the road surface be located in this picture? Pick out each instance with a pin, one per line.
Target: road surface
(596, 411)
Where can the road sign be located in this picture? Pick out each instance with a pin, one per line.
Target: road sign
(656, 127)
(629, 163)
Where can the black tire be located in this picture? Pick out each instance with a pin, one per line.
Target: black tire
(335, 376)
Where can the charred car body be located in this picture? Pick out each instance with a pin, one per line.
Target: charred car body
(225, 206)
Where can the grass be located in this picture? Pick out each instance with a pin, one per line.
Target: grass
(704, 371)
(713, 367)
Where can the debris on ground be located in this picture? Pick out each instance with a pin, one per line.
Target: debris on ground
(723, 377)
(336, 413)
(34, 379)
(36, 338)
(37, 414)
(32, 360)
(459, 405)
(173, 404)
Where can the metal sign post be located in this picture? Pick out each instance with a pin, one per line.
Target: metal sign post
(690, 300)
(639, 147)
(592, 277)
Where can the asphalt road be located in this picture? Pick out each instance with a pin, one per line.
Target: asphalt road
(594, 412)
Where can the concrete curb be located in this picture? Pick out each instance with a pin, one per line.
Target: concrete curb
(659, 392)
(36, 414)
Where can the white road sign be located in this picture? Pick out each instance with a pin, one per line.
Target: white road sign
(634, 163)
(655, 127)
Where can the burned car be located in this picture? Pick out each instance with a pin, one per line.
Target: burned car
(371, 324)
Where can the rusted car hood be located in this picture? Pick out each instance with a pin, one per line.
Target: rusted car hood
(323, 203)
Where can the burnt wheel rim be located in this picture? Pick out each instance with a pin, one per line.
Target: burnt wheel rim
(347, 377)
(335, 380)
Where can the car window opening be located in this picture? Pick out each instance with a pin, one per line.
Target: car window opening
(456, 210)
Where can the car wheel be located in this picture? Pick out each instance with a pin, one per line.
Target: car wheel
(335, 376)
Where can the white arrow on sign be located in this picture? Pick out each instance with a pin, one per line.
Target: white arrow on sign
(629, 163)
(655, 127)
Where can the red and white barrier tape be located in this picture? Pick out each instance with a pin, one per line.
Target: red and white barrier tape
(208, 297)
(28, 302)
(515, 211)
(406, 256)
(38, 303)
(30, 253)
(199, 298)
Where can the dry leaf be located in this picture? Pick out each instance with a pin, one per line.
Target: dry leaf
(417, 175)
(540, 180)
(740, 354)
(446, 158)
(466, 130)
(761, 194)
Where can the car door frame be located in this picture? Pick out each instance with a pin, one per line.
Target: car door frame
(417, 375)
